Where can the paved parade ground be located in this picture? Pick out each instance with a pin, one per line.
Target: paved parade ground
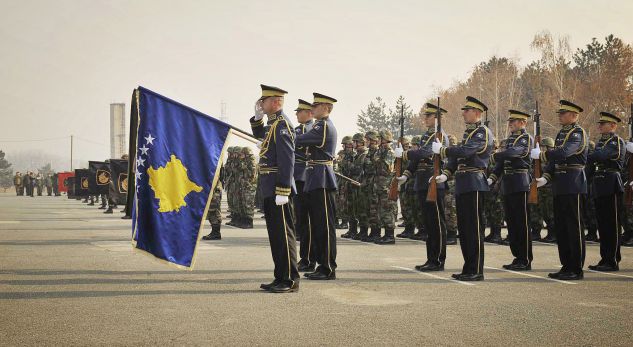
(68, 276)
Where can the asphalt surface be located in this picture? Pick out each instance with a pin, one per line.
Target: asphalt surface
(69, 276)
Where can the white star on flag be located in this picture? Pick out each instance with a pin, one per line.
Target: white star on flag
(144, 149)
(140, 161)
(150, 139)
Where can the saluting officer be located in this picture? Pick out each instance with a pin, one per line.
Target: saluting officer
(421, 165)
(566, 170)
(276, 168)
(467, 162)
(512, 163)
(307, 255)
(321, 186)
(605, 165)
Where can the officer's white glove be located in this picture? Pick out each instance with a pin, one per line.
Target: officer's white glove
(281, 200)
(398, 151)
(439, 178)
(535, 153)
(629, 147)
(258, 144)
(490, 181)
(402, 179)
(540, 182)
(436, 146)
(631, 183)
(259, 111)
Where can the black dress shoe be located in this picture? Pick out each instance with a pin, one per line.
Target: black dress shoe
(267, 286)
(285, 287)
(471, 277)
(592, 238)
(429, 267)
(451, 241)
(503, 242)
(386, 240)
(306, 267)
(554, 275)
(320, 276)
(604, 268)
(549, 239)
(308, 274)
(570, 276)
(518, 267)
(456, 276)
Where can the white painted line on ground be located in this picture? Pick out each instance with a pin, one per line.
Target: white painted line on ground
(530, 275)
(609, 273)
(10, 222)
(434, 276)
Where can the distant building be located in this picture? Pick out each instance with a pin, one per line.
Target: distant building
(118, 145)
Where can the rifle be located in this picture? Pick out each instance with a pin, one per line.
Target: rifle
(431, 195)
(628, 190)
(533, 196)
(393, 189)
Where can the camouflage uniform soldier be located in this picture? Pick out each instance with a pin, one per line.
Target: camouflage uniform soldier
(230, 173)
(543, 211)
(590, 222)
(493, 208)
(407, 197)
(346, 157)
(245, 189)
(449, 203)
(357, 203)
(214, 215)
(367, 188)
(382, 207)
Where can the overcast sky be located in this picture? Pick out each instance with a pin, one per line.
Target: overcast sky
(63, 62)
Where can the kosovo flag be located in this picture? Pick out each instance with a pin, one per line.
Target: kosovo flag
(177, 165)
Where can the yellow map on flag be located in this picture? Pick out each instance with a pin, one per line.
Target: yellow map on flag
(171, 185)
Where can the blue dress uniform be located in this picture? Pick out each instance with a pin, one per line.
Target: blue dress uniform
(467, 162)
(421, 165)
(321, 187)
(605, 165)
(276, 169)
(307, 254)
(565, 169)
(512, 167)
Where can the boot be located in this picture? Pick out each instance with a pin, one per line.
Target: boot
(401, 225)
(627, 239)
(388, 239)
(373, 235)
(353, 230)
(362, 234)
(108, 211)
(408, 232)
(494, 236)
(592, 235)
(421, 235)
(343, 224)
(247, 223)
(214, 234)
(451, 237)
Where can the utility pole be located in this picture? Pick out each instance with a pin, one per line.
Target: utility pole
(71, 152)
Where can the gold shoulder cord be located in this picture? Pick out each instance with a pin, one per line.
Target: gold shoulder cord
(517, 140)
(471, 134)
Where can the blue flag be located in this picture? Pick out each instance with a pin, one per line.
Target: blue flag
(178, 160)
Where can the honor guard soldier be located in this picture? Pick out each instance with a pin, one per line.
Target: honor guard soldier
(566, 170)
(421, 166)
(276, 168)
(307, 255)
(321, 186)
(512, 167)
(467, 164)
(605, 165)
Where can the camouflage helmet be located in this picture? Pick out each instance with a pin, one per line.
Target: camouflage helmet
(358, 137)
(416, 139)
(547, 141)
(247, 151)
(406, 140)
(592, 145)
(372, 135)
(386, 135)
(347, 140)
